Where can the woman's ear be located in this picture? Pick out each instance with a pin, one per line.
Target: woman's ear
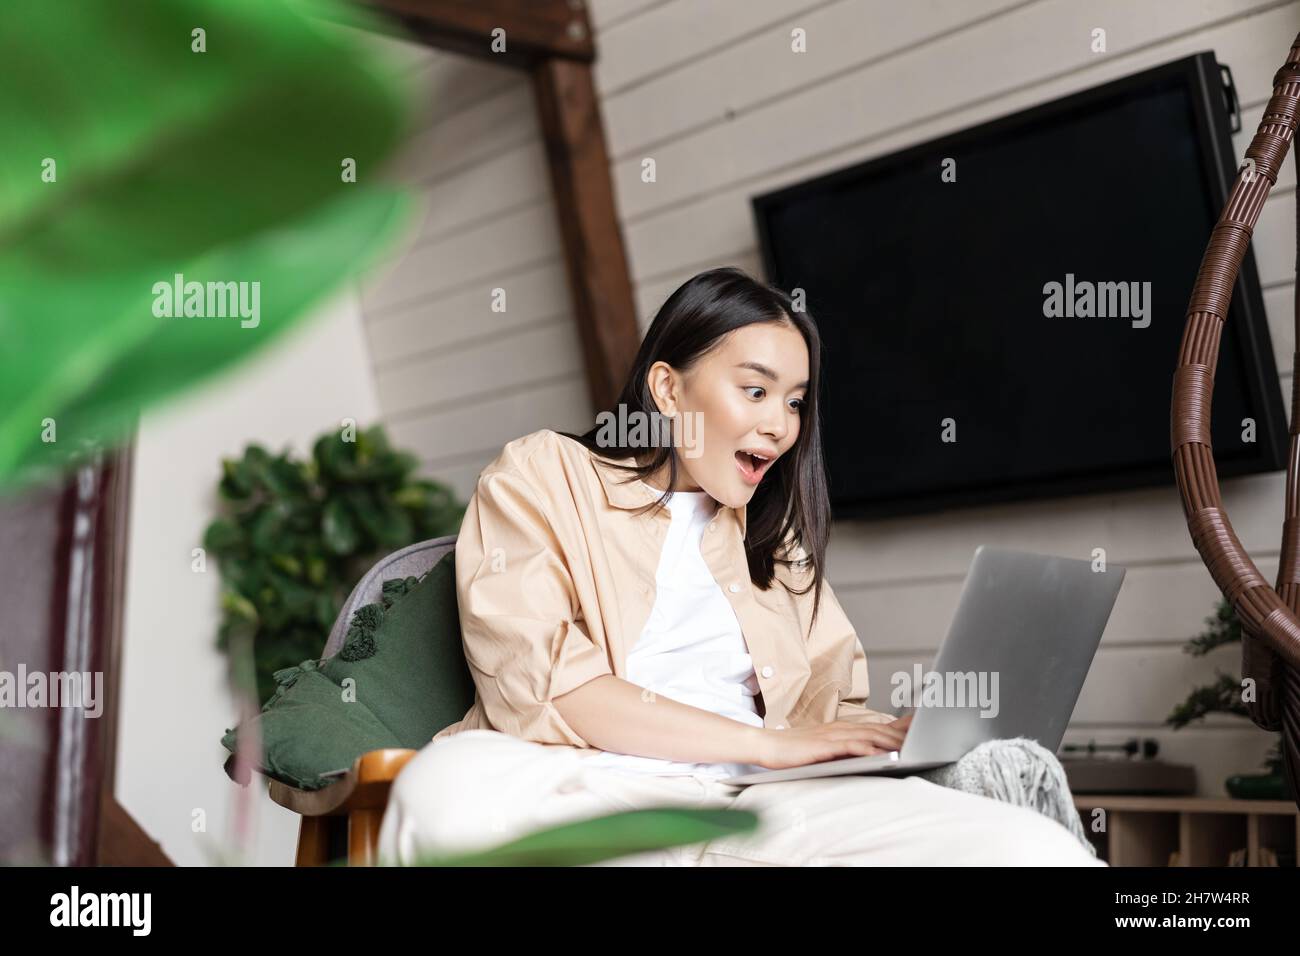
(662, 382)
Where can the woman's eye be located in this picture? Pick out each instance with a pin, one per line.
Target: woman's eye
(799, 402)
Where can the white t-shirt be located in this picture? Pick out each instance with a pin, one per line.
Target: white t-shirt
(691, 649)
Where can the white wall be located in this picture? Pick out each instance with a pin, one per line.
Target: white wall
(456, 379)
(175, 703)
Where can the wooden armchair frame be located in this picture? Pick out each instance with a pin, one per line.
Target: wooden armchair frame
(347, 813)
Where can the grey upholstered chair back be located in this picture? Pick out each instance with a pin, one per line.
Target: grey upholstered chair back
(411, 561)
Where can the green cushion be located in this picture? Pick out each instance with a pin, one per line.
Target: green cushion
(404, 657)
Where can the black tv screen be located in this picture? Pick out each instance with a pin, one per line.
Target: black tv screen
(955, 373)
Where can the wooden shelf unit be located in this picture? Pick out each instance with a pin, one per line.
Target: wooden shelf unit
(1189, 831)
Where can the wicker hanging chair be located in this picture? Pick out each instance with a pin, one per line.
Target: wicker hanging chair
(1270, 627)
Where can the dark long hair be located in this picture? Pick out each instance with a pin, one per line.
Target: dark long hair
(791, 504)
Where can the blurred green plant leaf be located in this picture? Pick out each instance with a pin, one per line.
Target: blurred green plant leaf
(130, 158)
(603, 838)
(337, 527)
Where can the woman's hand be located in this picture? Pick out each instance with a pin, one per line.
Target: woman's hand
(830, 741)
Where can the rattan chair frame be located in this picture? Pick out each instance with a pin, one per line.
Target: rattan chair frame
(1269, 623)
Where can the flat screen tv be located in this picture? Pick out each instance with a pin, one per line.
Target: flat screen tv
(1001, 309)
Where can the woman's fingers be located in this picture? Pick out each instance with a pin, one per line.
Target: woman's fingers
(870, 738)
(845, 729)
(882, 735)
(895, 734)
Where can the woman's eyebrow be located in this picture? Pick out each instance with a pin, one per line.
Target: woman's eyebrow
(766, 372)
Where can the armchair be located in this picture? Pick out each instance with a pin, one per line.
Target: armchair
(341, 821)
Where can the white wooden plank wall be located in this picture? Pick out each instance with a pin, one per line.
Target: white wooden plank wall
(457, 380)
(711, 91)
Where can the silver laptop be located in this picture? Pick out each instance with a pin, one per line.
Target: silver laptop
(1026, 630)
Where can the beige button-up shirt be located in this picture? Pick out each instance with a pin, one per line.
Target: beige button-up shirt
(555, 577)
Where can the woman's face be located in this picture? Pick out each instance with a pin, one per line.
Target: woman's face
(745, 396)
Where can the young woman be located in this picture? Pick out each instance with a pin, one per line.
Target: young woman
(643, 613)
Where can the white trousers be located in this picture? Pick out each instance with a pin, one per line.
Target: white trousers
(480, 788)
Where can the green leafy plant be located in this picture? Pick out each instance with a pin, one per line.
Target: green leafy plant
(204, 139)
(1224, 695)
(295, 536)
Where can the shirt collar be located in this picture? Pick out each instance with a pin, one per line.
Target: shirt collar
(635, 494)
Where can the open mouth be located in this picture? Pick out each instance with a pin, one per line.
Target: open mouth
(752, 467)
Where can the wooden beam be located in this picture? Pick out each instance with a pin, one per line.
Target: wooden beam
(534, 29)
(595, 257)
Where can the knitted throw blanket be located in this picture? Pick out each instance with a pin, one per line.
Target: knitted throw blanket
(1020, 771)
